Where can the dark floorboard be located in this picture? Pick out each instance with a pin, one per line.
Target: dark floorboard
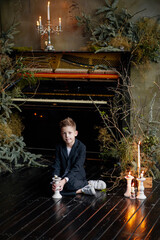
(27, 210)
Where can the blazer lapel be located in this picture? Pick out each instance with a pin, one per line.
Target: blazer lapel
(65, 155)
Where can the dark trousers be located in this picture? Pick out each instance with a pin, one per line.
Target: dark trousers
(73, 185)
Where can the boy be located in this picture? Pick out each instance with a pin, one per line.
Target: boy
(69, 163)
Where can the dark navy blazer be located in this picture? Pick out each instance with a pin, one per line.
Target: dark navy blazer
(71, 166)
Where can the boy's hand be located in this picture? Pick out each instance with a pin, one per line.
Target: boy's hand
(60, 185)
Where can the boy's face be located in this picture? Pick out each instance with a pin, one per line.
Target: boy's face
(68, 134)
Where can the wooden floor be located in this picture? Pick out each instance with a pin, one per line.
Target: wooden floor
(27, 211)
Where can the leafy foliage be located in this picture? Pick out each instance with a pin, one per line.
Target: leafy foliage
(120, 142)
(12, 146)
(13, 155)
(12, 73)
(147, 47)
(5, 38)
(112, 29)
(6, 104)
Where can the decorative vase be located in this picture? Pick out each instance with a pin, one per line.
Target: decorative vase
(129, 180)
(56, 194)
(140, 194)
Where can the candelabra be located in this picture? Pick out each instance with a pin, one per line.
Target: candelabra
(49, 29)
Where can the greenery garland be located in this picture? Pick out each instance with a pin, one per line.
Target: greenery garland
(113, 29)
(12, 147)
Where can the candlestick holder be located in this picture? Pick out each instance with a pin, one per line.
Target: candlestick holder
(56, 194)
(140, 194)
(128, 191)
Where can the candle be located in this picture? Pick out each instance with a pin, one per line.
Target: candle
(60, 24)
(129, 174)
(142, 174)
(48, 11)
(132, 188)
(40, 21)
(38, 25)
(139, 160)
(133, 193)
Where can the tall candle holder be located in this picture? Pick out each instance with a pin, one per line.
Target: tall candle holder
(129, 179)
(140, 194)
(49, 29)
(56, 194)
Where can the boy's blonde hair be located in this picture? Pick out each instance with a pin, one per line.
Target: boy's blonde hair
(67, 122)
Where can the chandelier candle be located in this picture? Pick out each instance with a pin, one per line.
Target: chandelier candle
(48, 11)
(60, 25)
